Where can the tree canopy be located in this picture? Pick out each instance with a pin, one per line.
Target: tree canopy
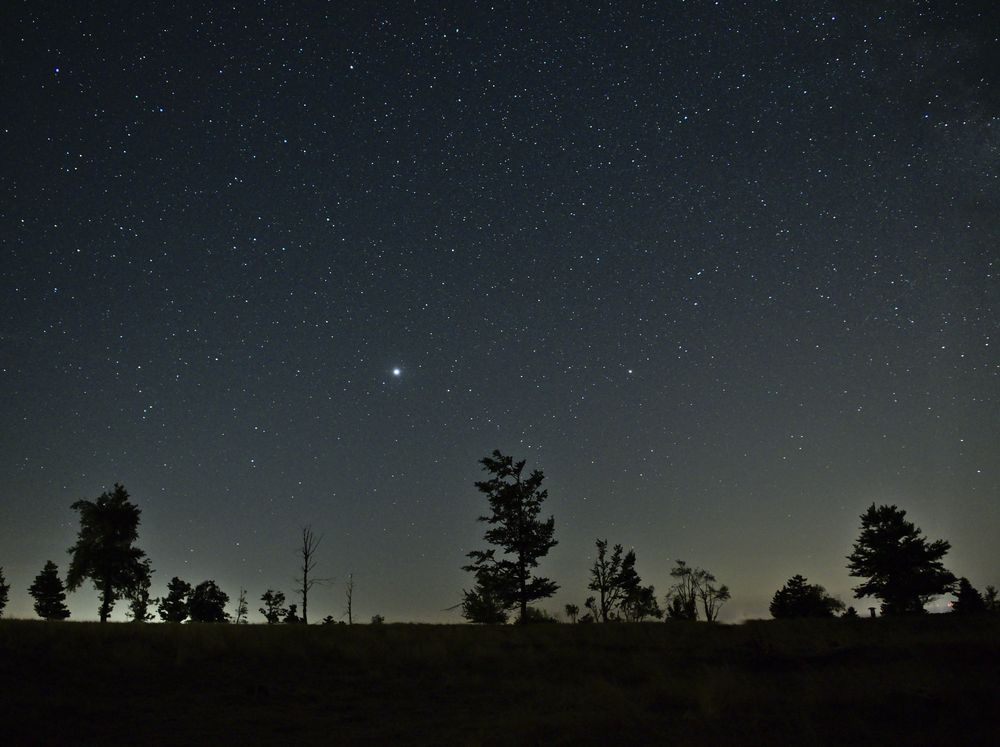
(480, 605)
(694, 585)
(137, 594)
(968, 600)
(274, 606)
(799, 598)
(902, 568)
(105, 549)
(174, 606)
(613, 578)
(620, 593)
(208, 603)
(519, 533)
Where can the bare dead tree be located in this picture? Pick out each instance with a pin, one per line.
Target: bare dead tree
(310, 542)
(349, 592)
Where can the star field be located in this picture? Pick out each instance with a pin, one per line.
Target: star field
(727, 272)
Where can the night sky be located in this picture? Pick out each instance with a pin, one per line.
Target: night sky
(727, 272)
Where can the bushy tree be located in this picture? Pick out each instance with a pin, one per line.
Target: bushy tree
(292, 615)
(613, 578)
(799, 598)
(105, 549)
(639, 604)
(521, 536)
(538, 615)
(968, 600)
(49, 594)
(4, 592)
(711, 594)
(208, 603)
(851, 613)
(138, 593)
(480, 605)
(682, 597)
(274, 606)
(694, 585)
(572, 612)
(989, 598)
(902, 568)
(377, 620)
(174, 606)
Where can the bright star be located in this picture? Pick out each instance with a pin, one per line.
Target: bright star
(397, 372)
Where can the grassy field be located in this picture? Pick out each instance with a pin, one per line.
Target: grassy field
(934, 681)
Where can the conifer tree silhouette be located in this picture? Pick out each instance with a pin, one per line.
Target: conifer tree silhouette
(174, 606)
(902, 568)
(49, 594)
(520, 535)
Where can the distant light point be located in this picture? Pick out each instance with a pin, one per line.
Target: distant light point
(397, 372)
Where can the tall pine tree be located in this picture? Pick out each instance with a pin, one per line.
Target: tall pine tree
(49, 594)
(902, 568)
(520, 535)
(173, 608)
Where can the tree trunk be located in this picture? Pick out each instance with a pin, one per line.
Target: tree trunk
(305, 594)
(106, 601)
(524, 594)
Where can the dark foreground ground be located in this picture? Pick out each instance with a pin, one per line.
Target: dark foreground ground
(932, 681)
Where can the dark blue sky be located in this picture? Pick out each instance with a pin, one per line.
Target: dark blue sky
(727, 272)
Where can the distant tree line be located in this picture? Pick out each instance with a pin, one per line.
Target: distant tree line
(899, 566)
(505, 580)
(106, 554)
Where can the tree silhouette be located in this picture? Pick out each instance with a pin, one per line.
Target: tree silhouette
(104, 551)
(310, 542)
(515, 527)
(682, 597)
(138, 593)
(349, 595)
(989, 598)
(694, 585)
(640, 603)
(613, 579)
(242, 609)
(292, 615)
(274, 606)
(799, 598)
(49, 594)
(377, 619)
(968, 599)
(851, 613)
(174, 606)
(712, 597)
(208, 603)
(572, 612)
(480, 605)
(903, 569)
(4, 592)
